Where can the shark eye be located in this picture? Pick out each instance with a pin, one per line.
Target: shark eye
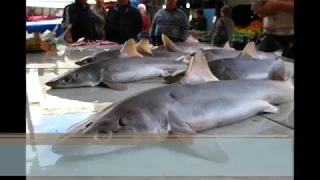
(122, 122)
(76, 75)
(66, 80)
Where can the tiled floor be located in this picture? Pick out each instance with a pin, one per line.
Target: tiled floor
(45, 101)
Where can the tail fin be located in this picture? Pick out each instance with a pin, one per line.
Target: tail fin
(168, 44)
(227, 46)
(143, 46)
(278, 71)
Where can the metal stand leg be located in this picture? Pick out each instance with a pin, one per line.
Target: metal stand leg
(30, 125)
(35, 164)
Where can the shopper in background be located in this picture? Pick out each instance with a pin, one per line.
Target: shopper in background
(170, 21)
(143, 11)
(79, 15)
(224, 28)
(145, 20)
(192, 23)
(277, 24)
(123, 22)
(100, 20)
(201, 22)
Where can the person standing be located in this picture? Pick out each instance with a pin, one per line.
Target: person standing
(124, 21)
(170, 21)
(201, 22)
(224, 28)
(143, 11)
(100, 20)
(278, 23)
(78, 15)
(146, 25)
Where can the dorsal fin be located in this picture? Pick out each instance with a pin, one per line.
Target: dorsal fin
(191, 39)
(198, 70)
(143, 46)
(129, 49)
(277, 71)
(227, 46)
(168, 44)
(249, 50)
(278, 52)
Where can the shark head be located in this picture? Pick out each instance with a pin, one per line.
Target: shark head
(116, 127)
(80, 77)
(90, 73)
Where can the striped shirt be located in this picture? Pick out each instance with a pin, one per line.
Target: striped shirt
(279, 23)
(173, 23)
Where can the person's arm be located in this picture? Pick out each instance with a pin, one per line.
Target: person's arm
(285, 6)
(270, 6)
(218, 28)
(205, 24)
(67, 21)
(144, 22)
(105, 14)
(107, 34)
(184, 27)
(147, 23)
(100, 19)
(153, 28)
(138, 23)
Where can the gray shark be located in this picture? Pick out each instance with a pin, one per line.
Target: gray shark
(238, 68)
(114, 72)
(143, 50)
(214, 53)
(198, 102)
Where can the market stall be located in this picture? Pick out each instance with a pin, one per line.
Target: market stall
(43, 25)
(249, 32)
(247, 24)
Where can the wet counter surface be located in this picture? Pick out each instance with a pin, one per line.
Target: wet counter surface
(55, 110)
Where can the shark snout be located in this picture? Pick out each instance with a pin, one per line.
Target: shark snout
(63, 150)
(51, 83)
(68, 145)
(71, 145)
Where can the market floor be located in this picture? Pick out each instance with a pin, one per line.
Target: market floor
(160, 178)
(52, 110)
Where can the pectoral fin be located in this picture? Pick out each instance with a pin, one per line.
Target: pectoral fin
(110, 81)
(204, 148)
(116, 86)
(277, 71)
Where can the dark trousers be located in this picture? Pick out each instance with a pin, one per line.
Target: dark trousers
(271, 43)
